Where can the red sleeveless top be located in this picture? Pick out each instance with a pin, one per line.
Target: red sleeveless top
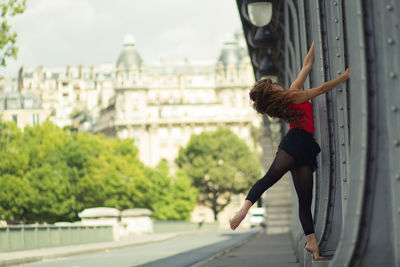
(308, 123)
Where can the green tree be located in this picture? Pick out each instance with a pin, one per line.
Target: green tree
(50, 175)
(9, 8)
(110, 174)
(171, 197)
(220, 164)
(52, 198)
(14, 159)
(15, 198)
(16, 193)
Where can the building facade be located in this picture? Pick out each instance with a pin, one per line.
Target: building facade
(72, 95)
(159, 105)
(24, 108)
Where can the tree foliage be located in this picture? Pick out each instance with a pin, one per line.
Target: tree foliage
(50, 174)
(171, 197)
(219, 164)
(9, 8)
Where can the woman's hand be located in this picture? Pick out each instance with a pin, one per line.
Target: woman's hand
(241, 214)
(237, 219)
(347, 72)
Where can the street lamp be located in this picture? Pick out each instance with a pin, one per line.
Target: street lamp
(260, 13)
(267, 66)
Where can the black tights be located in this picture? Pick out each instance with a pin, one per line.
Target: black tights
(302, 180)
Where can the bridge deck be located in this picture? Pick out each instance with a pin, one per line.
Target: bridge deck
(265, 250)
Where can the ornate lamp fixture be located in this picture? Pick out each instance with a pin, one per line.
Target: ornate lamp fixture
(260, 13)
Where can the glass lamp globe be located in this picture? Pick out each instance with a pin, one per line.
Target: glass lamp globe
(260, 13)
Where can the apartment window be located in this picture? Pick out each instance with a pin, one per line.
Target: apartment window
(35, 118)
(176, 134)
(15, 118)
(163, 135)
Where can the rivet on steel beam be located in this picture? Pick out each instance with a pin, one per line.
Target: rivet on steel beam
(343, 144)
(389, 7)
(344, 179)
(395, 109)
(339, 89)
(339, 72)
(397, 176)
(335, 3)
(392, 75)
(337, 38)
(397, 142)
(390, 41)
(344, 162)
(338, 55)
(336, 20)
(341, 125)
(341, 108)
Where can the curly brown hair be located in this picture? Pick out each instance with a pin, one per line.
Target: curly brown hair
(274, 103)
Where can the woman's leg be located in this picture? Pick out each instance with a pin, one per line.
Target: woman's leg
(281, 164)
(303, 183)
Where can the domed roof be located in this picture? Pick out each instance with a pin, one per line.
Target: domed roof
(230, 53)
(129, 57)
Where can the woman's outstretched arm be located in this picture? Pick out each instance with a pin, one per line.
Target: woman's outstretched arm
(302, 96)
(305, 70)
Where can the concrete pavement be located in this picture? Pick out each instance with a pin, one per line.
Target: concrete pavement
(168, 249)
(27, 256)
(255, 250)
(274, 250)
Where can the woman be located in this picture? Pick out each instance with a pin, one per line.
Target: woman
(298, 150)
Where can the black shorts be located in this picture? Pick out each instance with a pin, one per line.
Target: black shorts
(301, 145)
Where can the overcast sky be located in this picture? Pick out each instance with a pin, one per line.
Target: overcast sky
(57, 33)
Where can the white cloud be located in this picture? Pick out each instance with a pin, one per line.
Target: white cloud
(56, 33)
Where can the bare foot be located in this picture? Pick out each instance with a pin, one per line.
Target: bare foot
(314, 249)
(237, 219)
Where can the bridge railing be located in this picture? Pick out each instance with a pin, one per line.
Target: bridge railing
(23, 237)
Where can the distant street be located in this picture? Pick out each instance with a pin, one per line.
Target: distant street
(181, 251)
